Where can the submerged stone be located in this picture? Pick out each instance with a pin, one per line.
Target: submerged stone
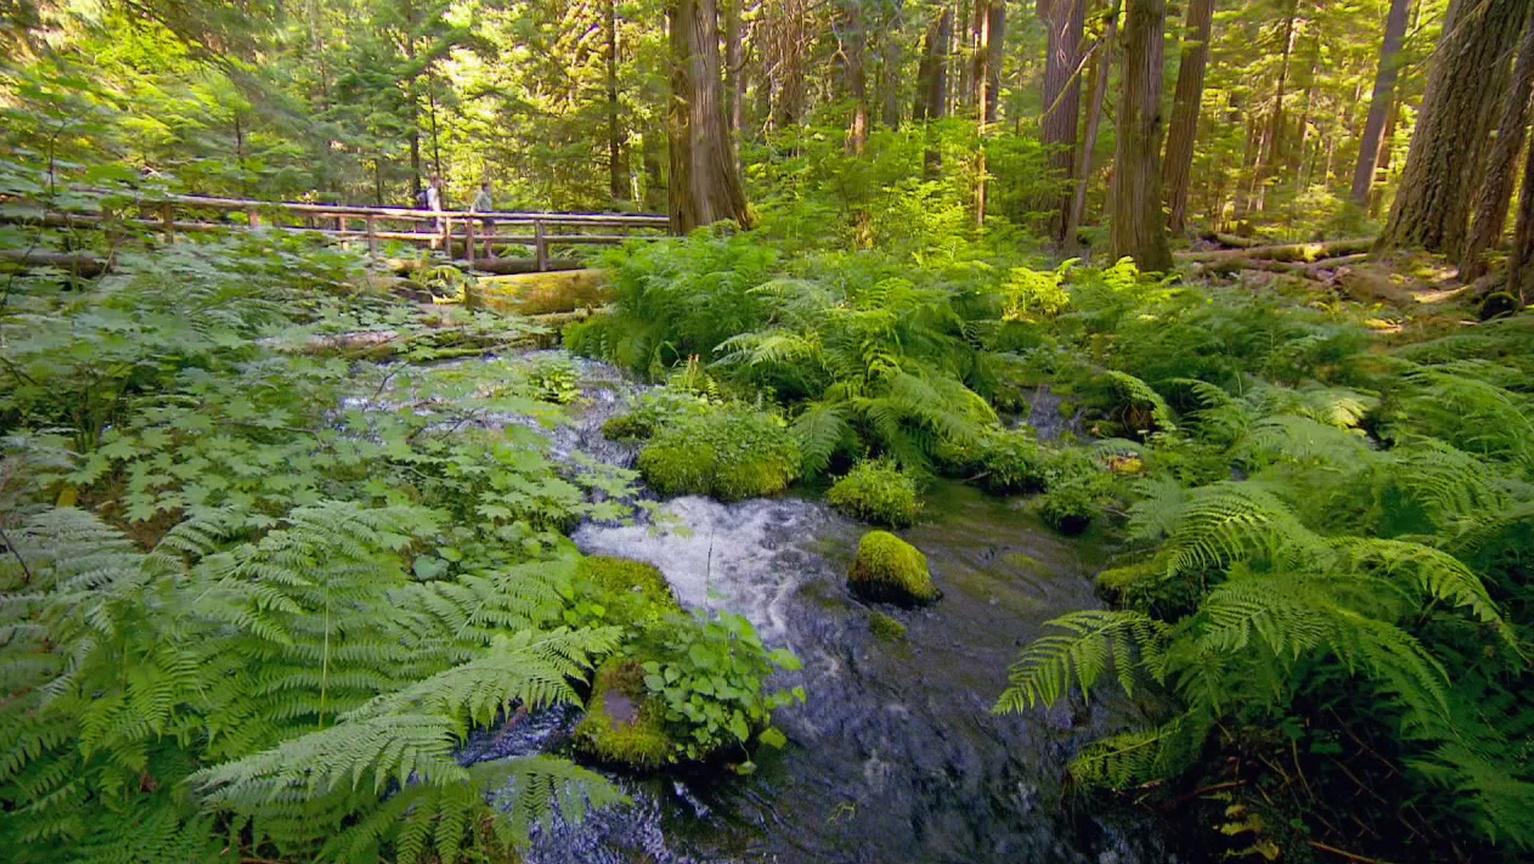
(888, 568)
(624, 724)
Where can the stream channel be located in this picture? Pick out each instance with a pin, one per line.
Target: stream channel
(896, 756)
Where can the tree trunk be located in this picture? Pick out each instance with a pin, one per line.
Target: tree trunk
(1489, 209)
(932, 70)
(1432, 203)
(1102, 63)
(1138, 228)
(1064, 21)
(1177, 166)
(1380, 101)
(735, 70)
(981, 76)
(1520, 271)
(705, 184)
(617, 167)
(1272, 146)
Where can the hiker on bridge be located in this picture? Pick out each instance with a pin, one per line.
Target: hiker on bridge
(434, 204)
(484, 203)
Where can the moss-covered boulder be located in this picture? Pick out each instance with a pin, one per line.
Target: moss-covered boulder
(877, 492)
(630, 593)
(888, 568)
(729, 453)
(624, 724)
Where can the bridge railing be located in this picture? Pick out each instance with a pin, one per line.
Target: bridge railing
(480, 237)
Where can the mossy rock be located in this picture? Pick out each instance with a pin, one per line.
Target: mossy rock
(886, 628)
(634, 426)
(624, 724)
(632, 592)
(730, 453)
(888, 568)
(877, 492)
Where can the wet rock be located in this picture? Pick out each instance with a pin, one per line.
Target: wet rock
(888, 568)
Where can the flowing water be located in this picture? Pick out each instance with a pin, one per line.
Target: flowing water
(896, 756)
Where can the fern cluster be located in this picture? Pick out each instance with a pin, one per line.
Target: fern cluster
(254, 598)
(1330, 544)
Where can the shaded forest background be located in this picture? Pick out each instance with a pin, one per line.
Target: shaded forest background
(873, 121)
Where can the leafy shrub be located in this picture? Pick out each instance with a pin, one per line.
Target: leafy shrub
(730, 452)
(877, 491)
(1007, 461)
(555, 380)
(710, 674)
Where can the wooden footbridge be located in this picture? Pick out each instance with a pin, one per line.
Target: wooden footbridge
(484, 241)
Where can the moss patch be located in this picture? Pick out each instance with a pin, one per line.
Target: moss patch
(540, 293)
(885, 627)
(888, 568)
(623, 725)
(631, 593)
(730, 454)
(877, 492)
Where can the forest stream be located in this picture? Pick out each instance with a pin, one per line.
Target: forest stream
(896, 755)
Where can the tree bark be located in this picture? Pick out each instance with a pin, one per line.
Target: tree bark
(1271, 148)
(1520, 270)
(932, 69)
(982, 75)
(617, 167)
(735, 70)
(1177, 165)
(1381, 100)
(1432, 204)
(1102, 63)
(1489, 209)
(1064, 21)
(705, 183)
(1138, 228)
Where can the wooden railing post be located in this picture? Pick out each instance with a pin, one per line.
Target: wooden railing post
(254, 216)
(447, 235)
(540, 246)
(168, 219)
(372, 229)
(468, 230)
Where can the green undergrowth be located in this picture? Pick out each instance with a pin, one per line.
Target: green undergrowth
(879, 492)
(1321, 527)
(257, 590)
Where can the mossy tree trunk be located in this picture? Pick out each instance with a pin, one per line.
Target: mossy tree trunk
(705, 183)
(1137, 228)
(1432, 207)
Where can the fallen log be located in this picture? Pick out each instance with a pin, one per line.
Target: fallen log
(81, 264)
(1234, 241)
(1316, 270)
(1301, 252)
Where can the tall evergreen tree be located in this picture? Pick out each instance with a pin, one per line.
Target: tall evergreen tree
(1137, 226)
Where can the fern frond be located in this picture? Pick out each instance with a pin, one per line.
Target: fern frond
(1050, 666)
